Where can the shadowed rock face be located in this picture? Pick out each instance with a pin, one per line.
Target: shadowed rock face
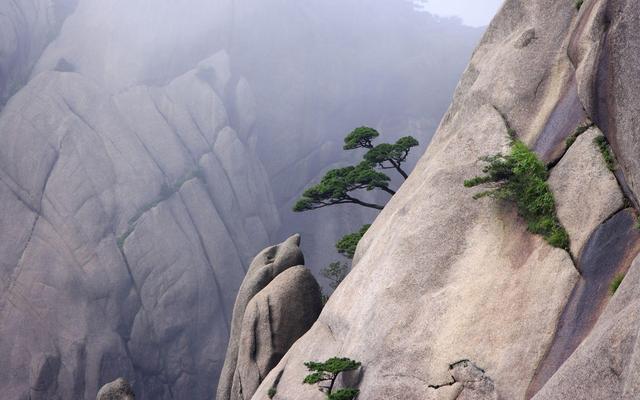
(608, 253)
(605, 366)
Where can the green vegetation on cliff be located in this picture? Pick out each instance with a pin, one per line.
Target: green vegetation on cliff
(615, 284)
(603, 145)
(521, 178)
(329, 371)
(338, 185)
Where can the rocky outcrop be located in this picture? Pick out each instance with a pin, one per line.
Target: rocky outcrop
(463, 279)
(125, 211)
(116, 390)
(586, 191)
(277, 303)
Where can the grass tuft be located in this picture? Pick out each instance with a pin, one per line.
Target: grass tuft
(615, 284)
(605, 150)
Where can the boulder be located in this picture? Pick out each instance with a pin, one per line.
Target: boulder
(116, 390)
(248, 314)
(274, 319)
(586, 192)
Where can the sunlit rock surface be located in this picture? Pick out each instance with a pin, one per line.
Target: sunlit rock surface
(441, 278)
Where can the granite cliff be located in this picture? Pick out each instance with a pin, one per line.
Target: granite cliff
(452, 298)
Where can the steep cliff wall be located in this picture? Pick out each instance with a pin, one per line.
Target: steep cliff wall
(441, 278)
(132, 204)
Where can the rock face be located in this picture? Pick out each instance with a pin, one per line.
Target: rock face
(440, 277)
(116, 390)
(277, 303)
(586, 191)
(605, 365)
(119, 213)
(129, 210)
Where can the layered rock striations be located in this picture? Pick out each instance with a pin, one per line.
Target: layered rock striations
(441, 278)
(128, 220)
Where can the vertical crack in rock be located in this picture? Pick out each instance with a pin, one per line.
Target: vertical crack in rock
(203, 249)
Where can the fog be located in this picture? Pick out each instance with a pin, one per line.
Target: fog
(472, 13)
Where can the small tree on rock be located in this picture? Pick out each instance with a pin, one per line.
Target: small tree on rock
(329, 371)
(338, 186)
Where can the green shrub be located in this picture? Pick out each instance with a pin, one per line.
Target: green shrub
(615, 284)
(521, 178)
(329, 371)
(271, 393)
(603, 145)
(344, 394)
(578, 4)
(347, 245)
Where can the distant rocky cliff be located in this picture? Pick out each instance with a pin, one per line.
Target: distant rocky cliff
(441, 279)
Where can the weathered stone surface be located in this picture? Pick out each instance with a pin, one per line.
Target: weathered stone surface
(440, 277)
(116, 390)
(586, 192)
(605, 52)
(266, 266)
(605, 366)
(125, 211)
(609, 252)
(274, 319)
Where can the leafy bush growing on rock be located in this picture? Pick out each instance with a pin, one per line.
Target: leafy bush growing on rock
(603, 145)
(521, 178)
(271, 392)
(615, 284)
(578, 4)
(347, 245)
(329, 371)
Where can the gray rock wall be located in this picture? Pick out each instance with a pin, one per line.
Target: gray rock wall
(127, 211)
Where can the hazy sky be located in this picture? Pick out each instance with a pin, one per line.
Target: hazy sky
(472, 12)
